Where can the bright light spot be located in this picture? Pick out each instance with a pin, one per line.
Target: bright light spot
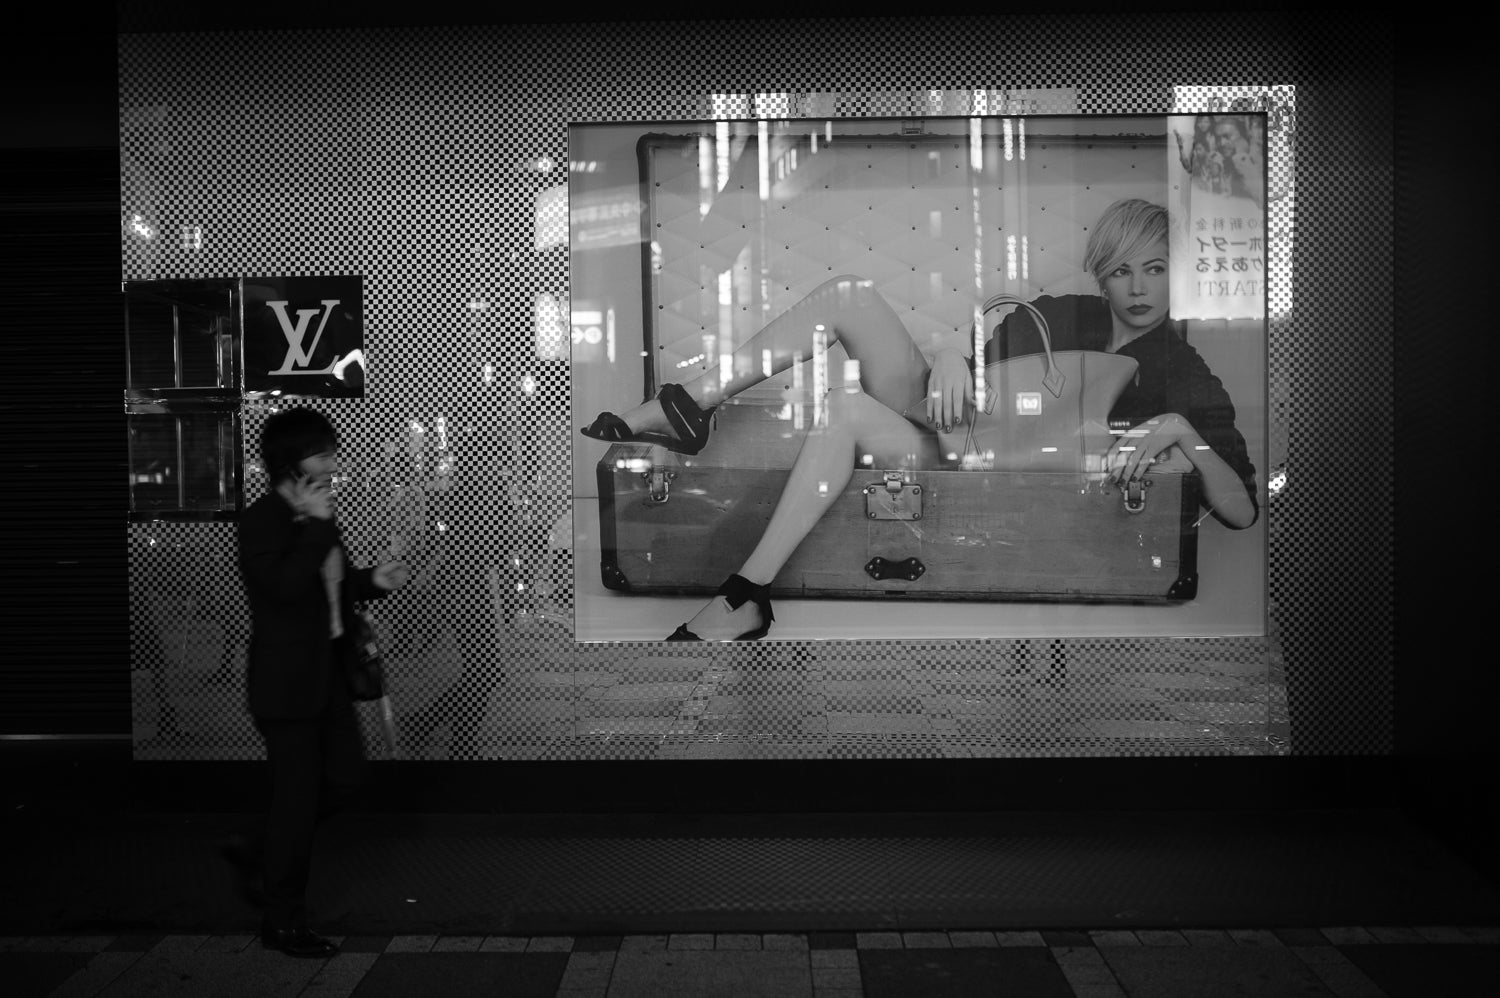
(353, 357)
(549, 338)
(550, 217)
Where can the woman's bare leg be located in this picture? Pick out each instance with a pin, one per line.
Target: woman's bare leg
(845, 309)
(858, 425)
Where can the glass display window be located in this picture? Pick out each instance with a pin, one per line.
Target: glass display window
(182, 398)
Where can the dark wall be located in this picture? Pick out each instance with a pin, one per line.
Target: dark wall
(64, 663)
(1446, 688)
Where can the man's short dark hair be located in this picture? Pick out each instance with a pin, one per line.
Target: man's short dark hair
(1236, 121)
(291, 435)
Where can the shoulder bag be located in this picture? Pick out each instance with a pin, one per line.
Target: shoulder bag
(1041, 412)
(364, 663)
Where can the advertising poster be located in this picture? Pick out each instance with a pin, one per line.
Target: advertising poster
(1220, 177)
(937, 377)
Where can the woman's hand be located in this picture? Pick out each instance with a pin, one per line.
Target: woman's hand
(1170, 440)
(391, 575)
(1133, 453)
(1182, 150)
(950, 390)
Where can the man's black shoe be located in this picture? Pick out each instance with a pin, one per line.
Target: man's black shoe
(300, 941)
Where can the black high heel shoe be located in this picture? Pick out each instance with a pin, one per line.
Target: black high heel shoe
(690, 422)
(737, 591)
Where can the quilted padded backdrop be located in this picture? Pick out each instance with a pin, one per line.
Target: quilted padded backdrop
(418, 158)
(902, 214)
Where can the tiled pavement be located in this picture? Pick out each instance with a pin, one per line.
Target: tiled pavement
(1338, 961)
(102, 895)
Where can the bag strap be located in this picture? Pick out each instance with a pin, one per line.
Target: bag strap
(1053, 379)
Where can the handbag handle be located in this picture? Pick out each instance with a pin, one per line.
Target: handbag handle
(1053, 379)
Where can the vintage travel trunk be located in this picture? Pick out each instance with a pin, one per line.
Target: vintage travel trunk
(677, 524)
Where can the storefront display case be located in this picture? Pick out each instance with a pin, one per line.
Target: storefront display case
(182, 399)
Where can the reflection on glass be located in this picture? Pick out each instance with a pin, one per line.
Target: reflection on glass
(181, 463)
(180, 335)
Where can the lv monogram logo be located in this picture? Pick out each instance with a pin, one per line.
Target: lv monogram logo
(297, 359)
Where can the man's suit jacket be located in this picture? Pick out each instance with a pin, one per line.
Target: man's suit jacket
(292, 661)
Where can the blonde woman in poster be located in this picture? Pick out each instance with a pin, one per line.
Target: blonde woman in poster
(901, 402)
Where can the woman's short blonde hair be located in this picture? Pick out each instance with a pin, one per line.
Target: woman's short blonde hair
(1125, 228)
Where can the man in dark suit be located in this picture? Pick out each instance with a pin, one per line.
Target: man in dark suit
(302, 590)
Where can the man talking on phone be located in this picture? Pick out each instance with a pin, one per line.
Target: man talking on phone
(302, 589)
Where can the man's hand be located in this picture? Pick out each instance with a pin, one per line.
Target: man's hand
(391, 575)
(311, 498)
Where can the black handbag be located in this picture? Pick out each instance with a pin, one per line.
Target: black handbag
(364, 664)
